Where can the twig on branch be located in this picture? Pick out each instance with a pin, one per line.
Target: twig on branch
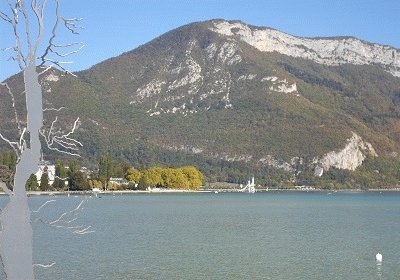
(84, 231)
(60, 65)
(44, 265)
(67, 54)
(62, 179)
(74, 212)
(68, 45)
(24, 12)
(39, 14)
(72, 26)
(13, 20)
(5, 17)
(13, 105)
(43, 205)
(53, 109)
(66, 219)
(22, 142)
(63, 141)
(47, 68)
(19, 15)
(13, 145)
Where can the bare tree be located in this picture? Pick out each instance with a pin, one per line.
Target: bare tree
(35, 56)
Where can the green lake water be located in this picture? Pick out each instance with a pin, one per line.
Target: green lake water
(273, 235)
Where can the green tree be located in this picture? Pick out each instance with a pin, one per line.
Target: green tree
(119, 170)
(175, 179)
(60, 172)
(76, 179)
(9, 159)
(73, 166)
(95, 184)
(44, 181)
(105, 167)
(133, 175)
(194, 176)
(78, 182)
(152, 177)
(32, 184)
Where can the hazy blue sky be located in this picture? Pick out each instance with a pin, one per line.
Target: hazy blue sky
(116, 26)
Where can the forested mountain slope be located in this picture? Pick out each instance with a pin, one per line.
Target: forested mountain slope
(229, 96)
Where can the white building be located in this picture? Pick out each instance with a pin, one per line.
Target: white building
(51, 171)
(118, 181)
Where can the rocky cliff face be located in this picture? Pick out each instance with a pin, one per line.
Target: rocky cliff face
(185, 81)
(329, 51)
(220, 92)
(351, 157)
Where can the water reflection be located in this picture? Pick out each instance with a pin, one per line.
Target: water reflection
(379, 270)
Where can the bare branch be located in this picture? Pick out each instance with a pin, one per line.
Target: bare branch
(7, 49)
(5, 17)
(44, 265)
(39, 14)
(68, 45)
(71, 24)
(47, 68)
(27, 28)
(43, 205)
(84, 231)
(66, 145)
(13, 105)
(18, 147)
(53, 109)
(67, 54)
(64, 152)
(63, 215)
(22, 142)
(4, 187)
(64, 141)
(66, 219)
(53, 34)
(13, 145)
(63, 179)
(51, 127)
(73, 128)
(19, 56)
(58, 64)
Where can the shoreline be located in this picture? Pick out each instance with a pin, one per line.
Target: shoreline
(166, 191)
(33, 193)
(304, 189)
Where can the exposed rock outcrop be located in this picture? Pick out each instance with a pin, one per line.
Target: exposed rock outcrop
(329, 51)
(351, 157)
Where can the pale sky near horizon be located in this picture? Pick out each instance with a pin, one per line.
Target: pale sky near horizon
(112, 27)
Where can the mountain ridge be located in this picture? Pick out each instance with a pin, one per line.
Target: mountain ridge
(333, 37)
(266, 39)
(193, 94)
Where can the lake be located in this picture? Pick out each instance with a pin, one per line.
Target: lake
(272, 235)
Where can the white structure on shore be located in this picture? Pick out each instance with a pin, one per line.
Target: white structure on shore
(118, 181)
(250, 187)
(51, 171)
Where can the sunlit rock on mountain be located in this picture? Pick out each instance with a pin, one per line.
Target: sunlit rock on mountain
(224, 91)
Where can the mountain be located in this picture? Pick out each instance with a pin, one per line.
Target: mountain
(227, 96)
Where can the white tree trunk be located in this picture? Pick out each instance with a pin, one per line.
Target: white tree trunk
(16, 228)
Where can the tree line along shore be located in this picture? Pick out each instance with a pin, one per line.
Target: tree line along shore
(109, 174)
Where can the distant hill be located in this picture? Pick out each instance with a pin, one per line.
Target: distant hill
(235, 100)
